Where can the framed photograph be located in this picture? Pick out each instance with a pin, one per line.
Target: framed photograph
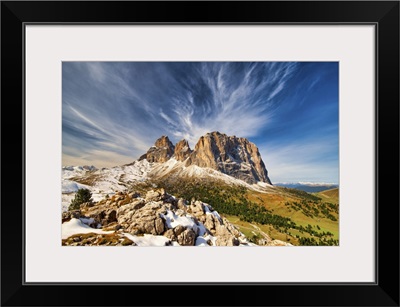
(239, 148)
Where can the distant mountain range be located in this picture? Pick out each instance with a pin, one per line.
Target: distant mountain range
(309, 187)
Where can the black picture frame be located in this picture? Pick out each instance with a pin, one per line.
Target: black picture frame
(383, 14)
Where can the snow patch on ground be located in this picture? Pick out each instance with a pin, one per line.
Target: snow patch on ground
(106, 181)
(264, 184)
(207, 209)
(149, 240)
(202, 241)
(69, 186)
(75, 226)
(66, 200)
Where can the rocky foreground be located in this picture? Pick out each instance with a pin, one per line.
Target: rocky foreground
(156, 219)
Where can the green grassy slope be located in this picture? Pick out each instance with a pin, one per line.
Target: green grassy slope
(329, 195)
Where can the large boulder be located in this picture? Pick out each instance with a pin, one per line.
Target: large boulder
(225, 237)
(146, 219)
(187, 237)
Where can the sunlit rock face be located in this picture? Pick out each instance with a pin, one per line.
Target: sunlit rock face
(182, 150)
(231, 155)
(161, 152)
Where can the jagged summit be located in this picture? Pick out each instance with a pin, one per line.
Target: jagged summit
(182, 150)
(234, 156)
(231, 155)
(161, 152)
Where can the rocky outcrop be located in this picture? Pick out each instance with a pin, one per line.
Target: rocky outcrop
(156, 213)
(161, 152)
(231, 155)
(182, 150)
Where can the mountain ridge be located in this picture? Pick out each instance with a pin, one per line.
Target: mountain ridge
(230, 155)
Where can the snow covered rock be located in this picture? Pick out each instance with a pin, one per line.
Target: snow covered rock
(158, 219)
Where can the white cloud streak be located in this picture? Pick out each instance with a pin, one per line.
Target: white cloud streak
(236, 109)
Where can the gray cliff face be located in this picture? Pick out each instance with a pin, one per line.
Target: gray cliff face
(230, 155)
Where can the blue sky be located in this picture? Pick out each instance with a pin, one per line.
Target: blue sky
(112, 112)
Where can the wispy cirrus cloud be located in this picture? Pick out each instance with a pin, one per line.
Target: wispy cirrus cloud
(236, 98)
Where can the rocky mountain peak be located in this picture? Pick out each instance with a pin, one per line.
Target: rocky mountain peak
(231, 155)
(161, 152)
(182, 150)
(234, 156)
(163, 142)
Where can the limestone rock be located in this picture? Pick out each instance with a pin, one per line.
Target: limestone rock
(146, 219)
(196, 208)
(152, 195)
(161, 152)
(157, 214)
(187, 237)
(181, 204)
(86, 205)
(68, 215)
(178, 230)
(227, 241)
(105, 212)
(231, 155)
(182, 150)
(210, 222)
(225, 237)
(170, 234)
